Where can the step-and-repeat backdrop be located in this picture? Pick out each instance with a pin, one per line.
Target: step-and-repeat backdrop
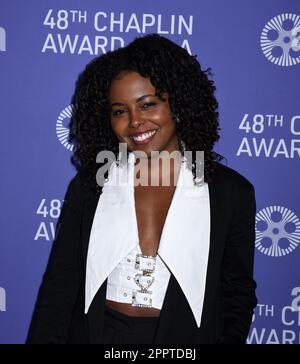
(253, 48)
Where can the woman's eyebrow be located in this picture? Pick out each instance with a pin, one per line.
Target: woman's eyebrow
(137, 100)
(143, 97)
(117, 104)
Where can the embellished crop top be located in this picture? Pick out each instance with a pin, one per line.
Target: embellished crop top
(139, 280)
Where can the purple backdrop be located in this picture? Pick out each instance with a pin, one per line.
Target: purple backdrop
(254, 51)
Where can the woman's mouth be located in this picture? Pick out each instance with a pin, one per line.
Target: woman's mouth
(143, 138)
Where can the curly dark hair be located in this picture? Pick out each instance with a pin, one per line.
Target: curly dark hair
(170, 69)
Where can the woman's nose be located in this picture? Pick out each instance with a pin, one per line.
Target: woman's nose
(135, 118)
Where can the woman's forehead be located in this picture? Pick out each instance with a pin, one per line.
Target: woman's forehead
(130, 85)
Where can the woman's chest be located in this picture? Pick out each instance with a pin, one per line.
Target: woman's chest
(151, 206)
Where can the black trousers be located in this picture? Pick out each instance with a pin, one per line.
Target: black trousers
(123, 329)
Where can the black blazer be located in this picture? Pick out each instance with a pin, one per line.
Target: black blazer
(230, 289)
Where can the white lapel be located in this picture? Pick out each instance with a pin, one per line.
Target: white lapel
(113, 233)
(184, 244)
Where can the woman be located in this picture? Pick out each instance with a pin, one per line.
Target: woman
(143, 263)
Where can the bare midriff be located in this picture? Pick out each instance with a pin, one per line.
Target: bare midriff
(129, 310)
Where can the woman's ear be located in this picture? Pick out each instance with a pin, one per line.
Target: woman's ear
(176, 119)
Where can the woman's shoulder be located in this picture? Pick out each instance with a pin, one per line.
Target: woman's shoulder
(225, 175)
(79, 189)
(76, 184)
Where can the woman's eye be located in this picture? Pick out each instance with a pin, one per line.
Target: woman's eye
(117, 112)
(148, 104)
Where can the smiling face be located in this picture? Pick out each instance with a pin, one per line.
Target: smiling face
(139, 117)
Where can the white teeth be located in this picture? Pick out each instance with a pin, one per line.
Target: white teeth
(144, 136)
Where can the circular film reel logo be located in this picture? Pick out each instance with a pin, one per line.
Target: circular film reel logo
(277, 231)
(280, 40)
(62, 127)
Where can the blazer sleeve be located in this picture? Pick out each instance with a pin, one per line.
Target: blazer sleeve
(61, 281)
(238, 285)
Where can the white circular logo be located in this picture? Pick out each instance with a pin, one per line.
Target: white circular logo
(280, 40)
(62, 130)
(277, 231)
